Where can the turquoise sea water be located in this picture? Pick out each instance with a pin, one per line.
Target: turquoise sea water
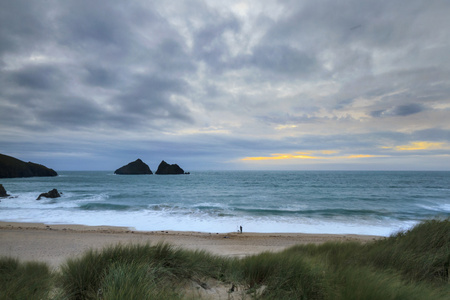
(220, 201)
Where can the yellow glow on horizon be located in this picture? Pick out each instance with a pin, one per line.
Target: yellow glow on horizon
(330, 155)
(301, 155)
(281, 156)
(420, 145)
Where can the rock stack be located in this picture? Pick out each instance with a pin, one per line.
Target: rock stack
(137, 167)
(167, 169)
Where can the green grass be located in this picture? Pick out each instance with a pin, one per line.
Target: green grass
(421, 254)
(31, 280)
(137, 281)
(84, 277)
(408, 265)
(284, 276)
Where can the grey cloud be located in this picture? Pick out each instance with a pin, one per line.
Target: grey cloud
(93, 24)
(22, 25)
(397, 93)
(122, 36)
(289, 118)
(100, 76)
(433, 134)
(408, 109)
(37, 77)
(371, 23)
(70, 112)
(376, 113)
(401, 110)
(210, 45)
(149, 97)
(283, 59)
(171, 57)
(342, 36)
(102, 46)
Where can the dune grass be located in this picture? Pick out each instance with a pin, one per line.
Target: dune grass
(30, 280)
(161, 265)
(408, 265)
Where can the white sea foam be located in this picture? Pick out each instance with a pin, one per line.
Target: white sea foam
(445, 207)
(159, 220)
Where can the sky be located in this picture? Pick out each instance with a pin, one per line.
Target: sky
(226, 85)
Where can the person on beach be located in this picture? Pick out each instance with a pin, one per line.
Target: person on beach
(240, 228)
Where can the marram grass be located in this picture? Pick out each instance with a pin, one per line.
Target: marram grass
(30, 280)
(408, 265)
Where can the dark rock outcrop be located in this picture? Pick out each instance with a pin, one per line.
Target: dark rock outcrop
(167, 169)
(50, 194)
(137, 167)
(3, 193)
(11, 167)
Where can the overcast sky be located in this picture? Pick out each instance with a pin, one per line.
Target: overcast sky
(298, 85)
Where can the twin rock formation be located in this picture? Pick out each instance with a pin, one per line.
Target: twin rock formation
(138, 167)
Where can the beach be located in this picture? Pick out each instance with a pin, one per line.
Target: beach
(54, 244)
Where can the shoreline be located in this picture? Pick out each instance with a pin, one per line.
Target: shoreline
(53, 244)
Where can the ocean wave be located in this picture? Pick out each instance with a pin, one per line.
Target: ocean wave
(104, 206)
(316, 212)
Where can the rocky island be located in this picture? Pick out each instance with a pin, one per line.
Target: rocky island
(167, 169)
(137, 167)
(11, 167)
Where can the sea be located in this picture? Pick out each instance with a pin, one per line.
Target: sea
(334, 202)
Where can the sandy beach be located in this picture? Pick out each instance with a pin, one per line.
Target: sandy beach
(53, 244)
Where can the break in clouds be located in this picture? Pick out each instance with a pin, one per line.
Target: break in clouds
(239, 84)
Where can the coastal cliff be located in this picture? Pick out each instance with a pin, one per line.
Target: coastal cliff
(11, 167)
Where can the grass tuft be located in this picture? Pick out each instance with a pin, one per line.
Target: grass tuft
(29, 280)
(136, 281)
(421, 253)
